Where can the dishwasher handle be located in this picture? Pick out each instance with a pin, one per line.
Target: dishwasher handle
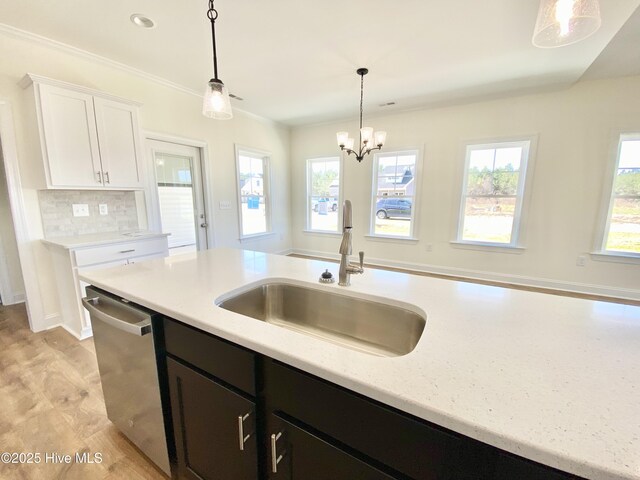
(141, 328)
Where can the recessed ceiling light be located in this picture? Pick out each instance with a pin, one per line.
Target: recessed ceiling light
(142, 21)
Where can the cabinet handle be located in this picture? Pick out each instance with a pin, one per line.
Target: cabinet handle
(242, 438)
(99, 174)
(128, 251)
(106, 177)
(275, 458)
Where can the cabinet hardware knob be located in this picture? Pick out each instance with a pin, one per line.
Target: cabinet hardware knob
(275, 458)
(242, 438)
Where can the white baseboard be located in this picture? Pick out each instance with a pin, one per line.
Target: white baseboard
(287, 251)
(503, 278)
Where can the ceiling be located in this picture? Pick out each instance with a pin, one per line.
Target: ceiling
(294, 61)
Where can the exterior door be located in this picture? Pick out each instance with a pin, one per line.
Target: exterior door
(179, 200)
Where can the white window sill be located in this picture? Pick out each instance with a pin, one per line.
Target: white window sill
(389, 238)
(487, 247)
(321, 232)
(256, 236)
(616, 257)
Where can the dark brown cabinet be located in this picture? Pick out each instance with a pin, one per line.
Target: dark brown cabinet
(214, 428)
(238, 415)
(297, 454)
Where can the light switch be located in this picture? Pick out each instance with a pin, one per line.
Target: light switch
(104, 210)
(225, 205)
(80, 210)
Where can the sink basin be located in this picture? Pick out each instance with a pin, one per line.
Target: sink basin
(370, 326)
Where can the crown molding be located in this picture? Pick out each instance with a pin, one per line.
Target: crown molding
(10, 31)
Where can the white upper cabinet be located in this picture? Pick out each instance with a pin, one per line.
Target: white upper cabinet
(89, 140)
(71, 139)
(117, 125)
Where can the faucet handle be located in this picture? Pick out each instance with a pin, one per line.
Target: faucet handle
(361, 254)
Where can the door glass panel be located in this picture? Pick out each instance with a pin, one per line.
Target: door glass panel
(174, 176)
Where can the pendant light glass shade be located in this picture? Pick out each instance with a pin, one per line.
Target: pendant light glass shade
(216, 103)
(563, 22)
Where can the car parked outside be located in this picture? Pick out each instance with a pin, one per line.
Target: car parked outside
(393, 208)
(332, 204)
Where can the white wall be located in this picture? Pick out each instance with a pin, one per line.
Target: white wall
(9, 260)
(165, 110)
(576, 130)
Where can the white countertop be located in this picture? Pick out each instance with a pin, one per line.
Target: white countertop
(95, 239)
(553, 379)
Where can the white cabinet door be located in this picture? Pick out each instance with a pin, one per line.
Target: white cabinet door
(70, 137)
(117, 125)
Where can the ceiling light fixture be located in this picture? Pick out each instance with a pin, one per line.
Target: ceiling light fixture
(142, 21)
(216, 103)
(367, 137)
(563, 22)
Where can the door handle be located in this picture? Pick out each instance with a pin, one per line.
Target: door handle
(275, 458)
(242, 438)
(204, 225)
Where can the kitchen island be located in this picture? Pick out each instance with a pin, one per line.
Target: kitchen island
(552, 379)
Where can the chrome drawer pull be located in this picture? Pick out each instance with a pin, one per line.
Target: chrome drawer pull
(99, 174)
(275, 458)
(106, 177)
(128, 251)
(242, 438)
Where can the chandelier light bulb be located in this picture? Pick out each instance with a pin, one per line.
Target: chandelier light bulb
(380, 138)
(342, 138)
(216, 103)
(366, 134)
(349, 144)
(564, 12)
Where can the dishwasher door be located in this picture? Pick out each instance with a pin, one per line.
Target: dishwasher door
(123, 339)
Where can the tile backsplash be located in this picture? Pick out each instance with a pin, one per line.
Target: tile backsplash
(57, 212)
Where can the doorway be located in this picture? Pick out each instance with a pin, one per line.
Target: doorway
(179, 190)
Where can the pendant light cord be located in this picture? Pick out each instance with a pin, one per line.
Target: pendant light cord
(361, 100)
(212, 14)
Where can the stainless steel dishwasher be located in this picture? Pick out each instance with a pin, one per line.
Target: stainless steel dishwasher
(123, 339)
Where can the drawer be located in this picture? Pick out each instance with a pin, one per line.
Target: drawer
(406, 444)
(117, 251)
(227, 362)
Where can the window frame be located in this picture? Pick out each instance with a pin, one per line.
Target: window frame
(309, 163)
(373, 196)
(266, 168)
(528, 144)
(609, 195)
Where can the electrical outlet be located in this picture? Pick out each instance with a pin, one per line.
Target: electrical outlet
(225, 205)
(80, 210)
(104, 209)
(581, 261)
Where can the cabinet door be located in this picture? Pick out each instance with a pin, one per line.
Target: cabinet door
(117, 125)
(208, 422)
(299, 455)
(70, 138)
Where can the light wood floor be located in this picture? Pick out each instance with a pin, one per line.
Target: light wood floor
(51, 402)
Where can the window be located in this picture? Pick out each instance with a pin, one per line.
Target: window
(394, 193)
(492, 191)
(622, 231)
(253, 193)
(323, 194)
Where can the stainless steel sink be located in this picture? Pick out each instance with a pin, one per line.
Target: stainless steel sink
(369, 326)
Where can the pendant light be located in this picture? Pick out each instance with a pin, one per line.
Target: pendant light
(563, 22)
(368, 140)
(216, 103)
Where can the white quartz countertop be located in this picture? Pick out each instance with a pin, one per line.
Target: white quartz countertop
(553, 379)
(96, 239)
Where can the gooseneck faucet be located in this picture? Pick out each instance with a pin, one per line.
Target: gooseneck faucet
(347, 268)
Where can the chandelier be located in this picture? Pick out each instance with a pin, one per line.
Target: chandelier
(216, 103)
(368, 140)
